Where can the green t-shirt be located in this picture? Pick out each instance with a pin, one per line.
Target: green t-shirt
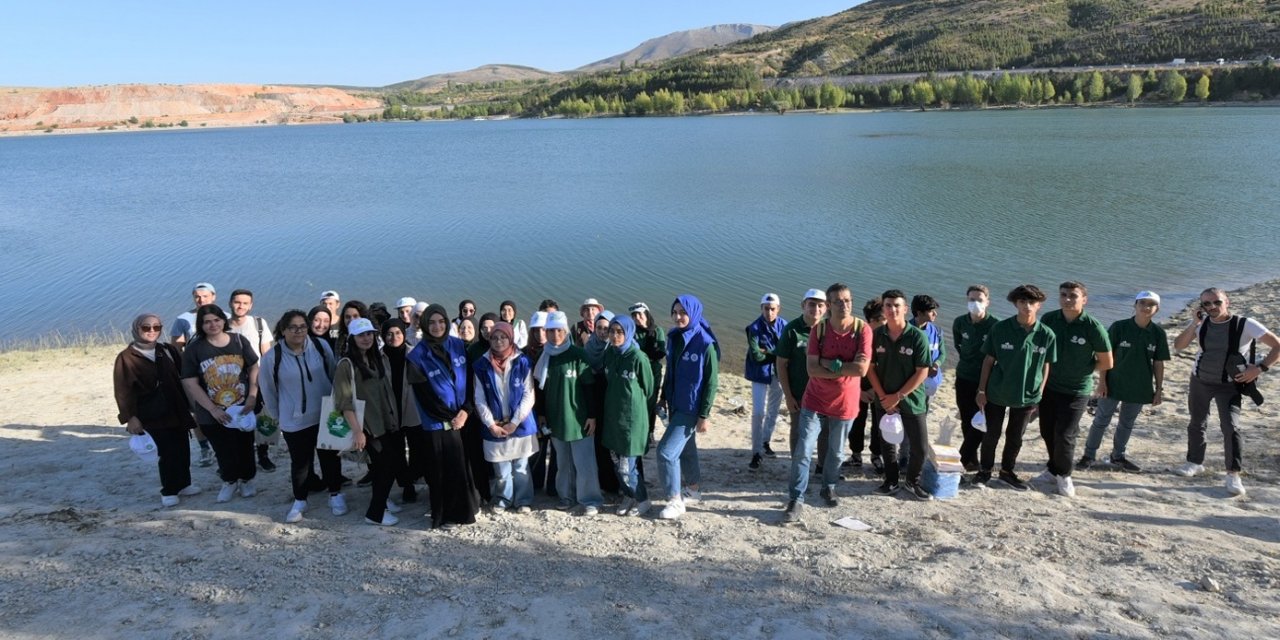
(968, 336)
(794, 345)
(1079, 344)
(1018, 373)
(1135, 350)
(895, 361)
(566, 394)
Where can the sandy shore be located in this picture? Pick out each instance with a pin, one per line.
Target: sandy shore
(87, 551)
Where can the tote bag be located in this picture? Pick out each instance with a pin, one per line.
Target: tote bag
(335, 433)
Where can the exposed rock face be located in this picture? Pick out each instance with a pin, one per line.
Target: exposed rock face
(218, 104)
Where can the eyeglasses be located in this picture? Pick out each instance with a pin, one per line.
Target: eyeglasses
(151, 327)
(1205, 304)
(296, 328)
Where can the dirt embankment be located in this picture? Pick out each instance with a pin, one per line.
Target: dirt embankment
(136, 106)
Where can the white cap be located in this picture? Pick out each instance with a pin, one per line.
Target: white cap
(420, 306)
(1147, 295)
(405, 302)
(815, 294)
(771, 298)
(557, 320)
(329, 294)
(638, 307)
(538, 320)
(359, 326)
(891, 428)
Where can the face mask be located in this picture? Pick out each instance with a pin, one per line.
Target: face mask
(976, 306)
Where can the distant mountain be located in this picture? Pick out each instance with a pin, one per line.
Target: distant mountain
(918, 36)
(680, 43)
(480, 75)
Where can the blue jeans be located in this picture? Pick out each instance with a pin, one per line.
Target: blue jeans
(1129, 412)
(511, 484)
(576, 473)
(837, 432)
(629, 480)
(678, 454)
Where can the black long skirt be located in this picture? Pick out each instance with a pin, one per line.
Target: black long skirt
(453, 492)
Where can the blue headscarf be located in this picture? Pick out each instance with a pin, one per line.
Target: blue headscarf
(698, 333)
(628, 327)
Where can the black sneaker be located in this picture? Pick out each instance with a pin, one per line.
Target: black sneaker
(886, 489)
(1010, 478)
(854, 462)
(916, 491)
(366, 480)
(1084, 463)
(1125, 464)
(878, 464)
(264, 461)
(971, 466)
(829, 497)
(755, 462)
(793, 513)
(769, 452)
(979, 480)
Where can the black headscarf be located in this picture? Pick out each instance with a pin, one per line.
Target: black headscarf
(436, 345)
(395, 355)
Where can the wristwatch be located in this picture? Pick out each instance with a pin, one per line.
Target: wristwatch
(1263, 366)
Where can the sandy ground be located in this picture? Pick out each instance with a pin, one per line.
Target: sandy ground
(86, 550)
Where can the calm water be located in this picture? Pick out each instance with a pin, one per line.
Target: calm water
(94, 228)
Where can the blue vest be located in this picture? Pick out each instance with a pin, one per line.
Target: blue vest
(515, 391)
(684, 371)
(766, 336)
(449, 386)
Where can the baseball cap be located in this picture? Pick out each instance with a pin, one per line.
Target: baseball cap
(772, 298)
(538, 320)
(815, 294)
(420, 306)
(330, 294)
(405, 302)
(638, 307)
(203, 286)
(1147, 295)
(557, 320)
(359, 326)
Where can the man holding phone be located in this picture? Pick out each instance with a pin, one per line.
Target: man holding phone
(1227, 350)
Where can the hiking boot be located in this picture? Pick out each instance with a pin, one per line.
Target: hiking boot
(916, 491)
(1010, 478)
(1084, 463)
(1125, 464)
(886, 489)
(755, 461)
(793, 513)
(829, 497)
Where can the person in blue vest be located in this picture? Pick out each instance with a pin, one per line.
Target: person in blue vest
(688, 393)
(438, 379)
(766, 388)
(504, 402)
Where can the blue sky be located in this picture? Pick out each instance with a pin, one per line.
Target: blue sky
(78, 42)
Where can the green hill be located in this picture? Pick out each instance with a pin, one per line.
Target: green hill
(918, 36)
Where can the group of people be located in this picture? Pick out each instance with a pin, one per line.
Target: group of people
(488, 410)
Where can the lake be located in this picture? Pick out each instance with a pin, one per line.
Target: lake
(95, 228)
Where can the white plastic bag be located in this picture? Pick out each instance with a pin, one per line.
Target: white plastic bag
(241, 418)
(891, 428)
(145, 447)
(979, 421)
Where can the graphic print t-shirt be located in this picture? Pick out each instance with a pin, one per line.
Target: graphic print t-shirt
(222, 372)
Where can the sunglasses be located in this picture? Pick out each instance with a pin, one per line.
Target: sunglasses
(151, 327)
(1210, 303)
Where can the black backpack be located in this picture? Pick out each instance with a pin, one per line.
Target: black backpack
(1234, 332)
(318, 344)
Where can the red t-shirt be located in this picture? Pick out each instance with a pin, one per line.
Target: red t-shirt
(837, 397)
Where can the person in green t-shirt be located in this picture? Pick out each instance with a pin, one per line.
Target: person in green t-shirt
(793, 371)
(1018, 353)
(1139, 348)
(969, 331)
(900, 362)
(1083, 349)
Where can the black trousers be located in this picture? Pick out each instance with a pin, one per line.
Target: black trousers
(302, 449)
(1018, 419)
(234, 450)
(966, 394)
(473, 445)
(175, 459)
(415, 440)
(386, 453)
(858, 434)
(915, 431)
(1060, 415)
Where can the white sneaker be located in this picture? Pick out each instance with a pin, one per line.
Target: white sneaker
(247, 490)
(640, 508)
(169, 501)
(393, 507)
(626, 506)
(1046, 477)
(1189, 469)
(690, 496)
(190, 490)
(295, 512)
(590, 511)
(673, 510)
(388, 520)
(338, 504)
(1234, 486)
(227, 492)
(1066, 487)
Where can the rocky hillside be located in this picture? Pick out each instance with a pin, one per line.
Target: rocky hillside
(680, 43)
(145, 106)
(487, 74)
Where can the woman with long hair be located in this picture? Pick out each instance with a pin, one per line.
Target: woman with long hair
(149, 396)
(220, 371)
(438, 378)
(351, 310)
(364, 373)
(296, 376)
(504, 403)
